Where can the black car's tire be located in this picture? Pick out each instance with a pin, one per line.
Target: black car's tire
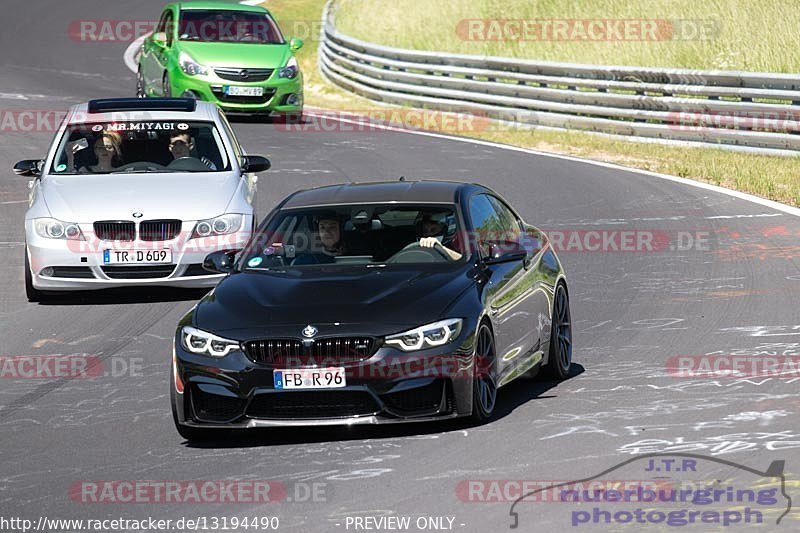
(140, 92)
(33, 294)
(484, 385)
(166, 87)
(560, 356)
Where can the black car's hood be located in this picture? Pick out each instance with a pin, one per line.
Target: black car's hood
(367, 300)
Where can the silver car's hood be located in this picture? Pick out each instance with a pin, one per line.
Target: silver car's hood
(185, 196)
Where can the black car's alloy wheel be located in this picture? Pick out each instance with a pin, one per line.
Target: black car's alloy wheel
(484, 385)
(560, 357)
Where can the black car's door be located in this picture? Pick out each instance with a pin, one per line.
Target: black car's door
(509, 291)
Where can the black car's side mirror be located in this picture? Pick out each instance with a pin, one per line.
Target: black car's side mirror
(255, 163)
(29, 167)
(504, 252)
(219, 262)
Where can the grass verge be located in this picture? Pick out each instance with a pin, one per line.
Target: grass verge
(776, 178)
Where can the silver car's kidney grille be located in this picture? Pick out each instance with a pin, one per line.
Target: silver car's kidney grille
(244, 74)
(159, 230)
(115, 230)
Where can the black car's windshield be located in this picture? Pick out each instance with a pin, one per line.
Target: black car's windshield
(140, 146)
(219, 26)
(369, 235)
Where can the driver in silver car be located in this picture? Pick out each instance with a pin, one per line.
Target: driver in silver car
(182, 145)
(432, 227)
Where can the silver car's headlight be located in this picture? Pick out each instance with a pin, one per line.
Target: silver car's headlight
(430, 335)
(50, 228)
(190, 66)
(202, 342)
(290, 70)
(221, 225)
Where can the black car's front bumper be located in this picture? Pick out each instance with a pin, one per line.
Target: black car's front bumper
(389, 387)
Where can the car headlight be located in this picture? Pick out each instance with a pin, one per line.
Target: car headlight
(430, 335)
(50, 228)
(290, 70)
(221, 225)
(190, 66)
(202, 342)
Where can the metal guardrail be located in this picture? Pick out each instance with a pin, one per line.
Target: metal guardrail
(751, 111)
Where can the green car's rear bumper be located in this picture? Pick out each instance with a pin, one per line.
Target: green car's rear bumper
(211, 89)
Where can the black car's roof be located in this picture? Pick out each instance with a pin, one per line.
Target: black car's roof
(423, 191)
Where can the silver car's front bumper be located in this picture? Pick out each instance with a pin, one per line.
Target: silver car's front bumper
(78, 265)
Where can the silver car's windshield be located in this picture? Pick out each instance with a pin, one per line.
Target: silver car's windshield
(140, 146)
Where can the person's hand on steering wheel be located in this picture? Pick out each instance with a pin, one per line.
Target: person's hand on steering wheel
(433, 242)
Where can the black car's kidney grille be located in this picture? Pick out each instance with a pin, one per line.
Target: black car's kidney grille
(110, 230)
(312, 404)
(159, 230)
(293, 353)
(244, 75)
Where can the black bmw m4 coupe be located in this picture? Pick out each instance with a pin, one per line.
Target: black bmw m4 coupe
(372, 303)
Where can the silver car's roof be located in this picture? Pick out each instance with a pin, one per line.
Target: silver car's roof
(205, 111)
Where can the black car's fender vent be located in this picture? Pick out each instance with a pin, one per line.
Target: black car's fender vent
(293, 353)
(215, 408)
(430, 399)
(312, 404)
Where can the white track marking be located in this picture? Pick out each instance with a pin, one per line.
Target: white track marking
(132, 52)
(707, 186)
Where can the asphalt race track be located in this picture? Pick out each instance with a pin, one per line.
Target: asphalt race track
(736, 292)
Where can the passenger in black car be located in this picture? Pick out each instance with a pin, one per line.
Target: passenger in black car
(329, 233)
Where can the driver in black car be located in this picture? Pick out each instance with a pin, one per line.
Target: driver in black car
(432, 227)
(182, 144)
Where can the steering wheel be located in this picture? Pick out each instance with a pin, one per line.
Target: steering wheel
(187, 163)
(138, 165)
(414, 253)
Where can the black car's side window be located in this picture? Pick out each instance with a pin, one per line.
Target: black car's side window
(508, 219)
(492, 222)
(484, 221)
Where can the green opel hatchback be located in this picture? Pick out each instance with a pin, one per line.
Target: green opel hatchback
(231, 54)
